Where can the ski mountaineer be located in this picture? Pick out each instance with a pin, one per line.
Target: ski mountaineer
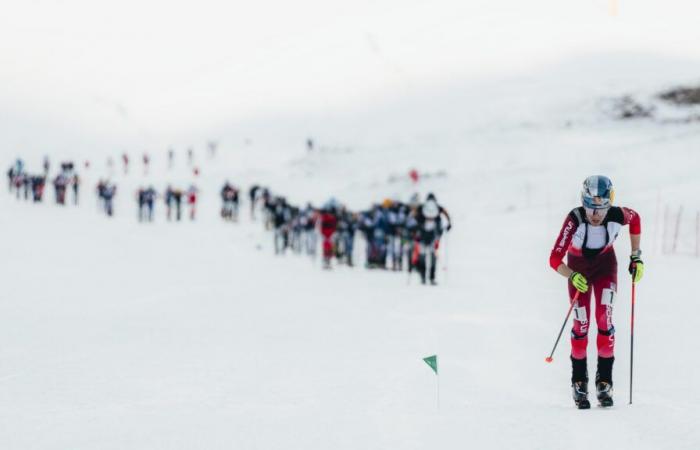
(587, 238)
(430, 229)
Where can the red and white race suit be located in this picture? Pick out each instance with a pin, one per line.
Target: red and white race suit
(589, 250)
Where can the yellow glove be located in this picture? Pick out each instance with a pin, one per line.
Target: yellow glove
(579, 282)
(636, 268)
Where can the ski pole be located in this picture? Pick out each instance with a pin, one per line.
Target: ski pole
(445, 254)
(549, 359)
(634, 285)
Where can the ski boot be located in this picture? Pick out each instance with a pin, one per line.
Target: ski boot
(604, 394)
(603, 382)
(580, 393)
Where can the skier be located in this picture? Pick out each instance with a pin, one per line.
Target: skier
(149, 196)
(295, 230)
(60, 184)
(107, 191)
(141, 199)
(345, 236)
(269, 204)
(146, 162)
(253, 195)
(412, 245)
(328, 225)
(38, 182)
(169, 201)
(308, 218)
(125, 162)
(192, 201)
(75, 183)
(281, 218)
(430, 229)
(587, 238)
(374, 225)
(395, 221)
(229, 197)
(10, 178)
(26, 184)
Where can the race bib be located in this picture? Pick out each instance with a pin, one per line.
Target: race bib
(608, 297)
(580, 314)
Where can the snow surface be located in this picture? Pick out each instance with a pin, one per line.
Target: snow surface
(120, 335)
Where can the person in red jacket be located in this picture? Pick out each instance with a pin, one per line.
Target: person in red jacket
(329, 224)
(192, 201)
(587, 238)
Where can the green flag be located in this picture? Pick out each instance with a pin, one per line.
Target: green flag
(432, 362)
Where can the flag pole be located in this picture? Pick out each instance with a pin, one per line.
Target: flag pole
(437, 377)
(432, 361)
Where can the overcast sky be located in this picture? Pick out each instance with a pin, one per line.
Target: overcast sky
(171, 65)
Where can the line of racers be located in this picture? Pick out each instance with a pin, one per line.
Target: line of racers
(397, 235)
(33, 186)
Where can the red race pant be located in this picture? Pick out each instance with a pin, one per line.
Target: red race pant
(601, 273)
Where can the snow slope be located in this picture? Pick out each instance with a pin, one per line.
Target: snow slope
(117, 335)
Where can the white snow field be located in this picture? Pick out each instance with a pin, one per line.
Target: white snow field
(120, 335)
(116, 335)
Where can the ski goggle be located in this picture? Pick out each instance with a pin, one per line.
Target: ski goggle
(598, 202)
(596, 212)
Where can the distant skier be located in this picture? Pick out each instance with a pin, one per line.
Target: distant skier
(229, 199)
(75, 183)
(125, 162)
(269, 203)
(396, 220)
(150, 196)
(146, 200)
(253, 196)
(107, 191)
(328, 224)
(19, 166)
(169, 202)
(47, 165)
(60, 184)
(345, 236)
(412, 245)
(10, 178)
(192, 201)
(141, 199)
(173, 200)
(587, 238)
(281, 218)
(146, 162)
(308, 218)
(430, 229)
(38, 183)
(375, 226)
(26, 184)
